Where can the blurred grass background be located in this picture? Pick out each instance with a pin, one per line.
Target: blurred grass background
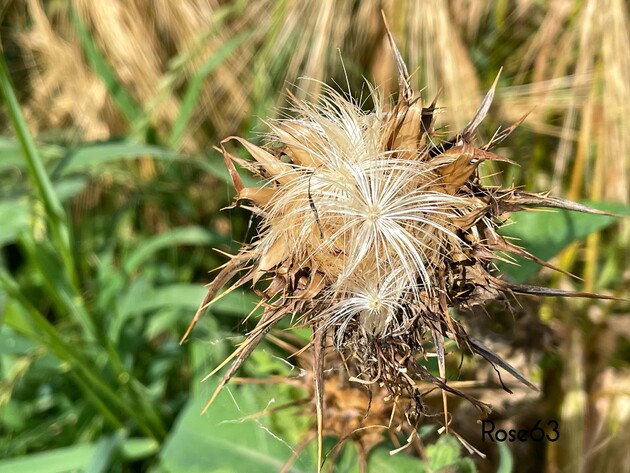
(110, 198)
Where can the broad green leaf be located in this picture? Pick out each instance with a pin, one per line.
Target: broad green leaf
(546, 233)
(223, 439)
(98, 154)
(60, 460)
(14, 215)
(446, 454)
(137, 448)
(443, 455)
(179, 236)
(381, 461)
(74, 458)
(187, 297)
(506, 462)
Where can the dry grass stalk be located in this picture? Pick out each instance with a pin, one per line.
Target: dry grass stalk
(60, 76)
(438, 59)
(589, 39)
(153, 48)
(155, 52)
(373, 228)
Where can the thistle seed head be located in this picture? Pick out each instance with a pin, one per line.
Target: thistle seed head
(373, 228)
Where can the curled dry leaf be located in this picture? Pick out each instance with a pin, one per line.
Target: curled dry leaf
(373, 229)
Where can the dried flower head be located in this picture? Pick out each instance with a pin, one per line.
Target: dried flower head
(373, 228)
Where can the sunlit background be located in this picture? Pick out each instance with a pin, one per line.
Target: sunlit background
(110, 217)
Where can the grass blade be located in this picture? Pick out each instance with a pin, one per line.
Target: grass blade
(54, 210)
(91, 382)
(177, 236)
(106, 450)
(61, 293)
(125, 102)
(54, 461)
(194, 88)
(96, 156)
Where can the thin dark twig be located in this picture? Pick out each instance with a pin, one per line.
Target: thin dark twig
(313, 208)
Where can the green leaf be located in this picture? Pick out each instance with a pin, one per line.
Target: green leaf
(60, 460)
(379, 460)
(93, 157)
(28, 149)
(142, 298)
(105, 452)
(178, 236)
(94, 385)
(506, 462)
(11, 155)
(55, 213)
(125, 102)
(15, 212)
(222, 439)
(98, 154)
(546, 233)
(382, 462)
(44, 260)
(137, 448)
(14, 215)
(186, 297)
(13, 343)
(446, 454)
(77, 457)
(191, 95)
(67, 188)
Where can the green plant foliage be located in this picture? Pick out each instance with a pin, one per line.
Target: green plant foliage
(96, 156)
(102, 268)
(222, 439)
(547, 233)
(506, 462)
(191, 95)
(87, 457)
(14, 213)
(125, 102)
(226, 439)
